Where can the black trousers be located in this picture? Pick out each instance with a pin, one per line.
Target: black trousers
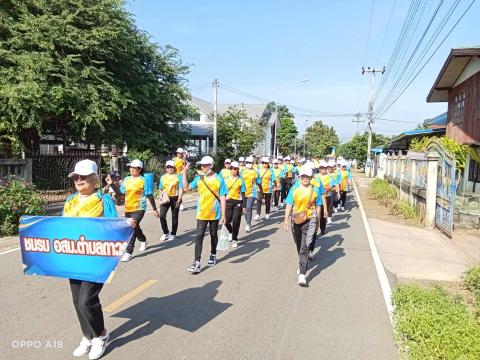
(284, 193)
(335, 199)
(330, 205)
(201, 228)
(276, 197)
(288, 185)
(163, 215)
(138, 232)
(343, 197)
(268, 200)
(233, 215)
(303, 236)
(323, 219)
(88, 307)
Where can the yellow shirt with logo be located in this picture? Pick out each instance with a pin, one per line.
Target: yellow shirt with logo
(208, 207)
(134, 189)
(179, 164)
(249, 176)
(304, 198)
(235, 187)
(171, 183)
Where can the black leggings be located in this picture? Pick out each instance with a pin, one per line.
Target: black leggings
(276, 197)
(343, 197)
(330, 205)
(268, 200)
(284, 193)
(201, 228)
(163, 215)
(233, 215)
(323, 219)
(137, 232)
(88, 307)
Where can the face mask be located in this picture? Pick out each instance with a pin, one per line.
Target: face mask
(249, 166)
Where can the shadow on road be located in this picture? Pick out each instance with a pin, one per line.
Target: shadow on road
(326, 256)
(174, 310)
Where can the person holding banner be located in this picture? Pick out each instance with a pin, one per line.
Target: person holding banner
(171, 187)
(210, 208)
(236, 202)
(88, 202)
(136, 190)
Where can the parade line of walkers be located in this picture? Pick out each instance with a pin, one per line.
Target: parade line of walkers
(311, 190)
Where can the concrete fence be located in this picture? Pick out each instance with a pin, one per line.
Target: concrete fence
(21, 168)
(415, 176)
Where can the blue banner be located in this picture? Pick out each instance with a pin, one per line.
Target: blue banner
(73, 247)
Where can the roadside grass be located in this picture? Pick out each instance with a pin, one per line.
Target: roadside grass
(386, 195)
(471, 281)
(432, 323)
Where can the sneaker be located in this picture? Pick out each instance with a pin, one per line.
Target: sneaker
(234, 243)
(181, 207)
(230, 237)
(195, 267)
(143, 246)
(329, 220)
(126, 257)
(267, 216)
(212, 260)
(302, 280)
(257, 217)
(99, 344)
(335, 210)
(248, 228)
(310, 255)
(298, 271)
(171, 237)
(164, 237)
(83, 348)
(342, 208)
(275, 208)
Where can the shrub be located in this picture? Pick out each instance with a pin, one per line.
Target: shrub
(471, 280)
(403, 209)
(431, 324)
(383, 191)
(16, 199)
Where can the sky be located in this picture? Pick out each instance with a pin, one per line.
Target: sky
(265, 47)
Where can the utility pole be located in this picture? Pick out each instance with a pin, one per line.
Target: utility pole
(215, 91)
(304, 139)
(370, 107)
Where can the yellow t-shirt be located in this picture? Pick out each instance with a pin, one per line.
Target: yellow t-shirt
(299, 196)
(249, 176)
(267, 177)
(171, 183)
(134, 190)
(277, 172)
(208, 207)
(179, 164)
(225, 173)
(235, 187)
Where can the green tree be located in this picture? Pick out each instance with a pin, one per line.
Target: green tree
(286, 136)
(82, 71)
(320, 139)
(237, 134)
(283, 110)
(357, 147)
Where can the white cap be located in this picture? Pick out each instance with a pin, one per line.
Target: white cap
(170, 163)
(331, 164)
(287, 157)
(206, 160)
(275, 161)
(265, 159)
(343, 163)
(84, 168)
(280, 158)
(235, 165)
(302, 160)
(249, 159)
(323, 163)
(135, 163)
(180, 150)
(241, 159)
(306, 170)
(228, 161)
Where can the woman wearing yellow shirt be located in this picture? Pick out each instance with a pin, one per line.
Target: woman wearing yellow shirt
(225, 172)
(249, 176)
(170, 183)
(210, 208)
(266, 182)
(279, 177)
(304, 198)
(136, 192)
(236, 202)
(88, 202)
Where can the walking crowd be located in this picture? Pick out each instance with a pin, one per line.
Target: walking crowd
(311, 190)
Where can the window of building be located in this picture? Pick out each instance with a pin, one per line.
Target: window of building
(474, 171)
(458, 108)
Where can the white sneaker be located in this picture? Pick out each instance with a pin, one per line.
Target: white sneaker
(257, 217)
(126, 257)
(267, 216)
(99, 345)
(181, 207)
(335, 210)
(143, 246)
(230, 237)
(164, 237)
(248, 228)
(298, 271)
(342, 208)
(171, 237)
(83, 348)
(329, 220)
(234, 244)
(310, 255)
(302, 280)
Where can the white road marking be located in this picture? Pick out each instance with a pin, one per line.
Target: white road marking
(382, 275)
(9, 251)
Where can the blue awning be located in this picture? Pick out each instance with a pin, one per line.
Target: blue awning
(423, 132)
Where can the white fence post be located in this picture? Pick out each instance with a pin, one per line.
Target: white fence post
(413, 181)
(431, 193)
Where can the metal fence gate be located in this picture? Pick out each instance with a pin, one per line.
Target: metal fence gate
(50, 172)
(446, 191)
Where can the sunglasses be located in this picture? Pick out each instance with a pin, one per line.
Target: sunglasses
(263, 162)
(79, 177)
(170, 167)
(233, 168)
(248, 162)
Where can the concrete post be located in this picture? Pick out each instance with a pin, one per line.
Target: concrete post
(431, 193)
(395, 167)
(413, 180)
(28, 176)
(401, 192)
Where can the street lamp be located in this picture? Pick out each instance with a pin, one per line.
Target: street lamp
(275, 152)
(304, 138)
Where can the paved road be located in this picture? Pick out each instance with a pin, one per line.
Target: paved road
(248, 306)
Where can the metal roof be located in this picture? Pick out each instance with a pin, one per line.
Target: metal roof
(455, 64)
